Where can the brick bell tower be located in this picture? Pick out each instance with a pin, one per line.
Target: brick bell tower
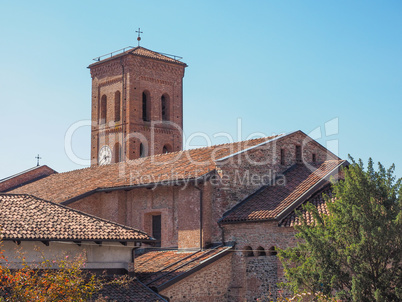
(137, 105)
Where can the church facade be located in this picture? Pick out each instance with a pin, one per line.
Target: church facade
(218, 213)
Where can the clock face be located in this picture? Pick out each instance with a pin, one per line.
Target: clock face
(105, 155)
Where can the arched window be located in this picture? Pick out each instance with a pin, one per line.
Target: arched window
(117, 153)
(260, 251)
(166, 149)
(145, 106)
(117, 101)
(143, 150)
(248, 252)
(272, 251)
(165, 100)
(102, 109)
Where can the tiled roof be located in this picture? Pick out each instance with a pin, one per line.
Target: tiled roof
(175, 166)
(24, 217)
(142, 52)
(132, 291)
(158, 268)
(273, 201)
(317, 200)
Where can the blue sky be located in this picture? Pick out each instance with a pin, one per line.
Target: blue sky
(278, 66)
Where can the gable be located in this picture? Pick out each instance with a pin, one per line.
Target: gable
(25, 177)
(273, 202)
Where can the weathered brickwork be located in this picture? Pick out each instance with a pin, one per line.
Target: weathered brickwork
(25, 177)
(119, 124)
(180, 206)
(210, 284)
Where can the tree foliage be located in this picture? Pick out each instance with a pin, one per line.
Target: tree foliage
(355, 252)
(41, 283)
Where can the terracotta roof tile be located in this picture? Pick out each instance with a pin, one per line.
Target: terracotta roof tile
(24, 217)
(142, 52)
(156, 268)
(132, 291)
(175, 166)
(317, 200)
(270, 201)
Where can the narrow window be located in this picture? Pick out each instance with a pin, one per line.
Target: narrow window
(261, 252)
(165, 107)
(117, 153)
(117, 106)
(272, 251)
(248, 252)
(103, 107)
(314, 158)
(143, 150)
(298, 155)
(145, 106)
(157, 228)
(282, 156)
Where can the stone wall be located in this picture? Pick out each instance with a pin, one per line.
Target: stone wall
(255, 277)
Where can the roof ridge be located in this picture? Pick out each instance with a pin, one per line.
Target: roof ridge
(169, 153)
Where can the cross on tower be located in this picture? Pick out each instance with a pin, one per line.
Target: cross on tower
(37, 160)
(139, 35)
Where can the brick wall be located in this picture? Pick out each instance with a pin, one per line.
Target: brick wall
(25, 177)
(209, 284)
(155, 78)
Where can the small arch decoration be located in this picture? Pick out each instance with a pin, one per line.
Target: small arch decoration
(248, 252)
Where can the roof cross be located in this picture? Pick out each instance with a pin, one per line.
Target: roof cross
(37, 160)
(139, 35)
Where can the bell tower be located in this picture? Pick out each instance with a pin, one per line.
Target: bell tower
(137, 105)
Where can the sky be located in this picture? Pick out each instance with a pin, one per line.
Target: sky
(332, 69)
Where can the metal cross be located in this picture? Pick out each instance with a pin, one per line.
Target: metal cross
(37, 160)
(139, 35)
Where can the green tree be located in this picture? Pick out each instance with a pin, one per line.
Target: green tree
(354, 252)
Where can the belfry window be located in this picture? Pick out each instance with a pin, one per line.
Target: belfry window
(143, 150)
(117, 101)
(165, 107)
(145, 106)
(102, 109)
(117, 153)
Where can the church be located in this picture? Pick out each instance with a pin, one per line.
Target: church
(215, 216)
